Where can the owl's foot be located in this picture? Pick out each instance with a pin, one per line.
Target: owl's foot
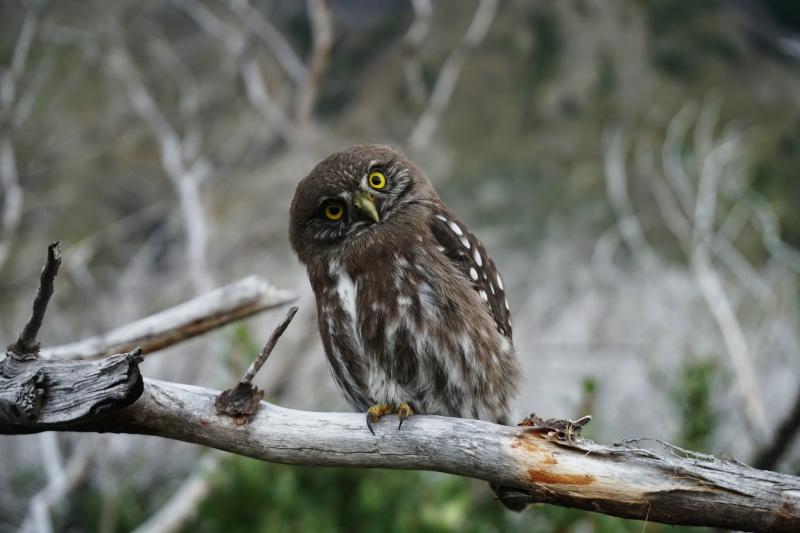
(375, 413)
(403, 411)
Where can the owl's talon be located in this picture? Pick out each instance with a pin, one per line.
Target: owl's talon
(375, 413)
(404, 410)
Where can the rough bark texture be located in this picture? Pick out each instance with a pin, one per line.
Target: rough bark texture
(38, 395)
(670, 485)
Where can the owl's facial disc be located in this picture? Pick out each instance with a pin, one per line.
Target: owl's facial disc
(353, 198)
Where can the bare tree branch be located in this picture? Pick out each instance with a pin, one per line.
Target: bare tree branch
(262, 28)
(242, 402)
(319, 15)
(60, 484)
(430, 119)
(689, 213)
(717, 159)
(255, 87)
(252, 76)
(12, 192)
(26, 345)
(412, 41)
(617, 190)
(209, 311)
(671, 486)
(184, 175)
(184, 503)
(770, 232)
(56, 490)
(213, 25)
(546, 462)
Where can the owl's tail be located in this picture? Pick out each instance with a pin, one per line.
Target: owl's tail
(513, 499)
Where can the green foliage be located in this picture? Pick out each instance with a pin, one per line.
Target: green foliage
(547, 47)
(682, 35)
(775, 177)
(353, 52)
(254, 496)
(251, 495)
(668, 16)
(25, 480)
(130, 509)
(786, 12)
(693, 398)
(96, 508)
(239, 349)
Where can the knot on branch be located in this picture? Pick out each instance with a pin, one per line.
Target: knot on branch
(37, 395)
(29, 399)
(557, 429)
(242, 401)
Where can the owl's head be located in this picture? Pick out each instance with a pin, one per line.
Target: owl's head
(355, 196)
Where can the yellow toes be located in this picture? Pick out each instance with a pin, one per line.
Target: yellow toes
(403, 411)
(380, 409)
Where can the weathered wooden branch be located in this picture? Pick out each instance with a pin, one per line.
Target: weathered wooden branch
(547, 461)
(209, 311)
(627, 480)
(37, 395)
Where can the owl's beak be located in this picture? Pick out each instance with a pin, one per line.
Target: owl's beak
(364, 203)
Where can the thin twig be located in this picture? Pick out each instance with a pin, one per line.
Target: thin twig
(185, 502)
(262, 28)
(412, 41)
(630, 227)
(56, 491)
(242, 401)
(27, 347)
(253, 78)
(319, 14)
(11, 117)
(445, 84)
(259, 361)
(185, 176)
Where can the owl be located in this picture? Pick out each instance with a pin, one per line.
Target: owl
(411, 310)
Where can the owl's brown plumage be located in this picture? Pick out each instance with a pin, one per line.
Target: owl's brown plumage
(411, 309)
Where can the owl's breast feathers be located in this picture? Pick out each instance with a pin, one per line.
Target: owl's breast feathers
(424, 321)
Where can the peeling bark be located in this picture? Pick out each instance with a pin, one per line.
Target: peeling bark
(660, 482)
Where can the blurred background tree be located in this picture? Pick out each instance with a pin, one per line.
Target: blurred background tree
(631, 164)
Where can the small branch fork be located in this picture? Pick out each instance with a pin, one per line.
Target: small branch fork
(546, 459)
(242, 401)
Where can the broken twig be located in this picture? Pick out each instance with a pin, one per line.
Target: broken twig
(27, 347)
(241, 402)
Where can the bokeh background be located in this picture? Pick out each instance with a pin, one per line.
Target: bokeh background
(633, 166)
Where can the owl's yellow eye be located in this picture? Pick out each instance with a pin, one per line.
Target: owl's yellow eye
(377, 180)
(334, 211)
